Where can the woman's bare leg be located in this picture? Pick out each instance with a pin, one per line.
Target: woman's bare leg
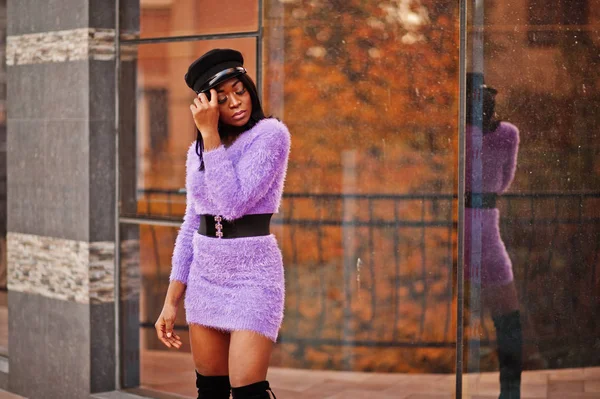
(249, 356)
(210, 349)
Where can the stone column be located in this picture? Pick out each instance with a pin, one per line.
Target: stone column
(61, 191)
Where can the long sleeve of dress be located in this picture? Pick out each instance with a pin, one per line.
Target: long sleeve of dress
(510, 166)
(183, 251)
(236, 189)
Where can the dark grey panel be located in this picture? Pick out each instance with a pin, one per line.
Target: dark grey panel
(21, 171)
(48, 181)
(52, 90)
(66, 88)
(101, 14)
(102, 181)
(130, 343)
(50, 340)
(128, 137)
(102, 90)
(130, 16)
(25, 91)
(30, 16)
(102, 338)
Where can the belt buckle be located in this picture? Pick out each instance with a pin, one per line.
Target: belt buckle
(219, 226)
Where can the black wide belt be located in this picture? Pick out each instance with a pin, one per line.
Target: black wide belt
(480, 200)
(246, 226)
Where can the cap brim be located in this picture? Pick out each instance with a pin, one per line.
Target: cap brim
(221, 80)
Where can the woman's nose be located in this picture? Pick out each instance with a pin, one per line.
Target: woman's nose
(235, 101)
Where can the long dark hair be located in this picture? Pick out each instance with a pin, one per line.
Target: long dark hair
(489, 119)
(228, 130)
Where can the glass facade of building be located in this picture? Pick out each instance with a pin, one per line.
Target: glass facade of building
(385, 268)
(441, 215)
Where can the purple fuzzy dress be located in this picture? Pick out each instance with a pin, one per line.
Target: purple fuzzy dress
(234, 284)
(499, 162)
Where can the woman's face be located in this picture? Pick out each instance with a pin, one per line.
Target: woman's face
(235, 104)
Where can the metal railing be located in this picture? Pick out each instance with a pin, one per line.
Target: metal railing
(370, 270)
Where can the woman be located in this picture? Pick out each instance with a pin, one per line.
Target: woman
(225, 260)
(499, 147)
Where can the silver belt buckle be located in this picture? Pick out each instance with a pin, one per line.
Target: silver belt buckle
(219, 226)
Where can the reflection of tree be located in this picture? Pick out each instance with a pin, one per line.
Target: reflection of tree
(582, 60)
(378, 77)
(559, 122)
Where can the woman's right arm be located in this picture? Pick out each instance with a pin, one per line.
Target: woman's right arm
(184, 248)
(166, 320)
(180, 265)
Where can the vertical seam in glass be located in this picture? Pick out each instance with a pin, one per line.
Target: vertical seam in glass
(259, 50)
(117, 267)
(462, 74)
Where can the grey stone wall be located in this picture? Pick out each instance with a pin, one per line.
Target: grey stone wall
(60, 61)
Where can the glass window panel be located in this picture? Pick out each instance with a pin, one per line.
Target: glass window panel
(167, 18)
(367, 225)
(145, 267)
(533, 298)
(156, 248)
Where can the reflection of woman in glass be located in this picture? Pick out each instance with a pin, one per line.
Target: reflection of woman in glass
(499, 146)
(225, 259)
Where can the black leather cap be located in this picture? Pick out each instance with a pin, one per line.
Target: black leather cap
(204, 69)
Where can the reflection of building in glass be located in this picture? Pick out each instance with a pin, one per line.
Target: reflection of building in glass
(345, 89)
(369, 91)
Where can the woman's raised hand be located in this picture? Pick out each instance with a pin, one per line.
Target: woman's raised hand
(164, 327)
(206, 113)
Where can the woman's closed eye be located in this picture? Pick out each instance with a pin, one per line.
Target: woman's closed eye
(223, 99)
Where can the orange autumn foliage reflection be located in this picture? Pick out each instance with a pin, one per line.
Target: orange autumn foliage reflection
(369, 92)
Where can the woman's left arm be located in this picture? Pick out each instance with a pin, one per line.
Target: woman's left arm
(236, 189)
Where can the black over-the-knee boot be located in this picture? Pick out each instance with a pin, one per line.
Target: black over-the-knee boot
(213, 387)
(258, 390)
(510, 353)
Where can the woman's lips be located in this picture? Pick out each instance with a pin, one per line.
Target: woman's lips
(239, 115)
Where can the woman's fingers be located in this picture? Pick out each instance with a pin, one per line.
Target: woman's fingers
(161, 333)
(213, 98)
(174, 340)
(206, 115)
(177, 344)
(164, 331)
(201, 102)
(203, 99)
